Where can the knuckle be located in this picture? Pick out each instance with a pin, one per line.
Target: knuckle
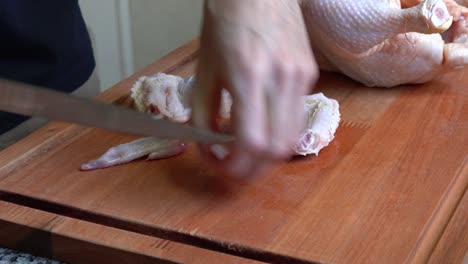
(252, 72)
(300, 72)
(289, 69)
(253, 65)
(260, 68)
(286, 69)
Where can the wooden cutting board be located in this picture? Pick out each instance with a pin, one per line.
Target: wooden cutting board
(452, 246)
(76, 241)
(384, 191)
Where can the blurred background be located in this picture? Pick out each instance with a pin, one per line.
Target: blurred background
(129, 35)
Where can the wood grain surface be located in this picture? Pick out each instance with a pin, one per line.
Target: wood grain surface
(384, 191)
(74, 241)
(453, 245)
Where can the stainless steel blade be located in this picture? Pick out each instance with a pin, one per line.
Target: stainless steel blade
(36, 101)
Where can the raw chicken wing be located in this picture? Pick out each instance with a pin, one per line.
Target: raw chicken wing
(166, 96)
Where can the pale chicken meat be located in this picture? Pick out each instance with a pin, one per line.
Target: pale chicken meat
(152, 147)
(386, 43)
(163, 95)
(166, 96)
(322, 120)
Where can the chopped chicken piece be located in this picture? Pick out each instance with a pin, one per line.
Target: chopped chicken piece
(168, 95)
(162, 95)
(322, 116)
(155, 148)
(322, 120)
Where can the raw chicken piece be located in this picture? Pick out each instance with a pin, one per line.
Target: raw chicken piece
(380, 44)
(322, 120)
(168, 95)
(155, 148)
(322, 116)
(150, 93)
(163, 95)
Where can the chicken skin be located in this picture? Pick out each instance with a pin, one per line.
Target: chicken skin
(379, 43)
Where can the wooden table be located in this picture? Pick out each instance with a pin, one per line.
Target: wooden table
(391, 188)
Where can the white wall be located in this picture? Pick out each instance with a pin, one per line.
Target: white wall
(129, 34)
(102, 21)
(160, 26)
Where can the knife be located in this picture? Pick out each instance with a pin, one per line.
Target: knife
(29, 100)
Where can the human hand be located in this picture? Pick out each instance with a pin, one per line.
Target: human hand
(258, 51)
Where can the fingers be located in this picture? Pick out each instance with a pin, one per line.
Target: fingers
(267, 117)
(284, 119)
(250, 153)
(437, 15)
(455, 56)
(259, 61)
(282, 125)
(244, 164)
(267, 114)
(458, 32)
(297, 80)
(429, 16)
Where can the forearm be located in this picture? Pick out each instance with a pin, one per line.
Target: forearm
(245, 11)
(267, 19)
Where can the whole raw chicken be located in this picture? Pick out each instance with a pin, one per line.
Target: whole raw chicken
(388, 42)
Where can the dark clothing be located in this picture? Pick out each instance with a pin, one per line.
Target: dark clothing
(44, 43)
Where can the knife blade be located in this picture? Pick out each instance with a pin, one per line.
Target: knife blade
(30, 100)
